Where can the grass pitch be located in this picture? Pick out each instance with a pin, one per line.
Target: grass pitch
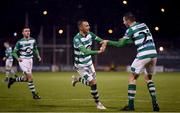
(59, 96)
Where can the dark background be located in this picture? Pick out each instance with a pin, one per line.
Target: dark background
(105, 14)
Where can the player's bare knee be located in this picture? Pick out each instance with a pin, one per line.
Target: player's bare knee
(148, 77)
(29, 77)
(92, 82)
(133, 78)
(25, 78)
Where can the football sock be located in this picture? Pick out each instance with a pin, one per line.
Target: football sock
(131, 95)
(31, 87)
(94, 93)
(83, 81)
(20, 79)
(152, 91)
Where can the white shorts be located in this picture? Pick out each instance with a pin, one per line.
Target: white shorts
(26, 65)
(145, 65)
(9, 63)
(87, 72)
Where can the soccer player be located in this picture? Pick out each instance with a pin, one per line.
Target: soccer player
(82, 43)
(26, 47)
(8, 60)
(139, 34)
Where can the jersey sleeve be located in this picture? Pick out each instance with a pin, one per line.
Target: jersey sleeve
(17, 46)
(96, 38)
(35, 44)
(88, 51)
(122, 42)
(128, 34)
(78, 44)
(36, 51)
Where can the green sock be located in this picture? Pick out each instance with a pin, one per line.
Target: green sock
(152, 91)
(94, 93)
(83, 81)
(32, 87)
(131, 95)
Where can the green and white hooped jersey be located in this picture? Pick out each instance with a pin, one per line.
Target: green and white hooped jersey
(142, 37)
(8, 53)
(25, 47)
(81, 60)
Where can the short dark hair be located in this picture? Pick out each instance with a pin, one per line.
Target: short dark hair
(26, 27)
(80, 22)
(130, 16)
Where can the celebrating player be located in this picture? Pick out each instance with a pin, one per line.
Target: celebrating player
(139, 34)
(26, 47)
(82, 43)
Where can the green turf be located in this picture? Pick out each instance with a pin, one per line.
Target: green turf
(59, 96)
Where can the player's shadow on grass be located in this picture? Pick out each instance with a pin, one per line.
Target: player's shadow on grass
(78, 108)
(51, 105)
(114, 108)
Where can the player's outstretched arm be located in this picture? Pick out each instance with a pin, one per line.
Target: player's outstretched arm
(98, 39)
(88, 51)
(120, 43)
(103, 45)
